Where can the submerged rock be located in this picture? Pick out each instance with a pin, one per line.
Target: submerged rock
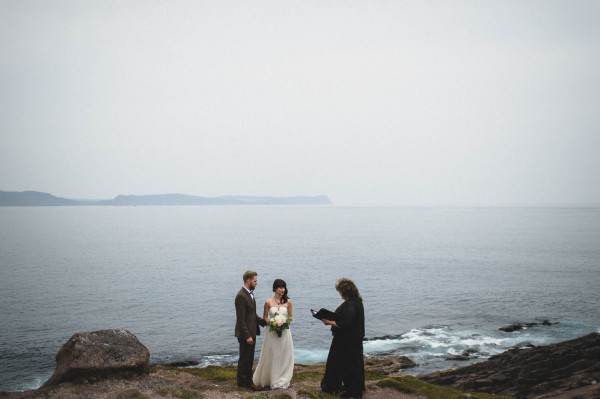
(183, 363)
(511, 328)
(465, 355)
(518, 326)
(90, 356)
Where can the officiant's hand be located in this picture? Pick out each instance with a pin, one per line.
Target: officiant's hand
(329, 323)
(250, 341)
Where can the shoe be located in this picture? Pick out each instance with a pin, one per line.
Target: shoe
(255, 387)
(250, 386)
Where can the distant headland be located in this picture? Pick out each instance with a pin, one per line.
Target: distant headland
(35, 198)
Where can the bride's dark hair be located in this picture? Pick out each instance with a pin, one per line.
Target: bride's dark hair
(279, 283)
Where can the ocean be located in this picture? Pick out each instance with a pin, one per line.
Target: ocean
(437, 283)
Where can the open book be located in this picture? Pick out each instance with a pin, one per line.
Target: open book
(325, 314)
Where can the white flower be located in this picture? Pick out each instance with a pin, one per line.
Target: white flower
(279, 322)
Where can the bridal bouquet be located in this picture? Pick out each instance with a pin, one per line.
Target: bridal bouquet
(279, 322)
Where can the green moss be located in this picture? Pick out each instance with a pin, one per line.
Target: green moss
(315, 394)
(374, 376)
(229, 373)
(308, 373)
(180, 393)
(412, 385)
(155, 367)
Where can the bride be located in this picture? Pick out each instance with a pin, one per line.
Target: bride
(276, 364)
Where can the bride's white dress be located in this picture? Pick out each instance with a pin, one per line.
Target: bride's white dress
(276, 364)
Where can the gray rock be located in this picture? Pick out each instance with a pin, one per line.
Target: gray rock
(388, 364)
(90, 356)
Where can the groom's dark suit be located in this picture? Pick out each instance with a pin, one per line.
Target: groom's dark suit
(246, 326)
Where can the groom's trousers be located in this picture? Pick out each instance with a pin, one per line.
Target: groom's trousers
(245, 363)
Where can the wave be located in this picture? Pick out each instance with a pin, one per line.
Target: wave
(441, 347)
(432, 347)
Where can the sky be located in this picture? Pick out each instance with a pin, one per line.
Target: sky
(375, 103)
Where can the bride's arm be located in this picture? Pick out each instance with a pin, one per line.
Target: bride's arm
(290, 309)
(266, 312)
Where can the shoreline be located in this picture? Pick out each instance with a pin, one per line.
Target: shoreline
(565, 370)
(418, 371)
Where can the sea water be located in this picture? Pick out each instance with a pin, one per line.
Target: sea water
(437, 283)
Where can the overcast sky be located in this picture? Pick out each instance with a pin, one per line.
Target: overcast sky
(369, 102)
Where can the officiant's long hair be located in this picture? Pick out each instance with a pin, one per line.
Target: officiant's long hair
(347, 289)
(279, 283)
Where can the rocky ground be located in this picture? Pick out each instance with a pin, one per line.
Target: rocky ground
(167, 382)
(98, 365)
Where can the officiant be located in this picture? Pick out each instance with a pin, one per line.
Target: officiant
(345, 370)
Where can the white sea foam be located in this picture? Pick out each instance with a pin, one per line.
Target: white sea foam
(217, 360)
(440, 342)
(382, 345)
(309, 356)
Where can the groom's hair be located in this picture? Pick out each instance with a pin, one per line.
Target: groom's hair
(249, 275)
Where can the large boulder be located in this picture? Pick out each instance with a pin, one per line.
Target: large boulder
(567, 368)
(100, 354)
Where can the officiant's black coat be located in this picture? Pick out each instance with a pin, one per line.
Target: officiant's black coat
(345, 370)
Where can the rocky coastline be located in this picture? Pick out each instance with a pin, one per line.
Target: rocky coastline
(113, 364)
(569, 369)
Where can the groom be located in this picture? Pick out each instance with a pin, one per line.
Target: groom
(246, 329)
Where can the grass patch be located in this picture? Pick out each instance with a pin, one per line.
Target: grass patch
(277, 396)
(374, 375)
(315, 373)
(412, 385)
(308, 373)
(302, 373)
(210, 373)
(180, 393)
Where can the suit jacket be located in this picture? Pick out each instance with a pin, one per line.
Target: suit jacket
(247, 321)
